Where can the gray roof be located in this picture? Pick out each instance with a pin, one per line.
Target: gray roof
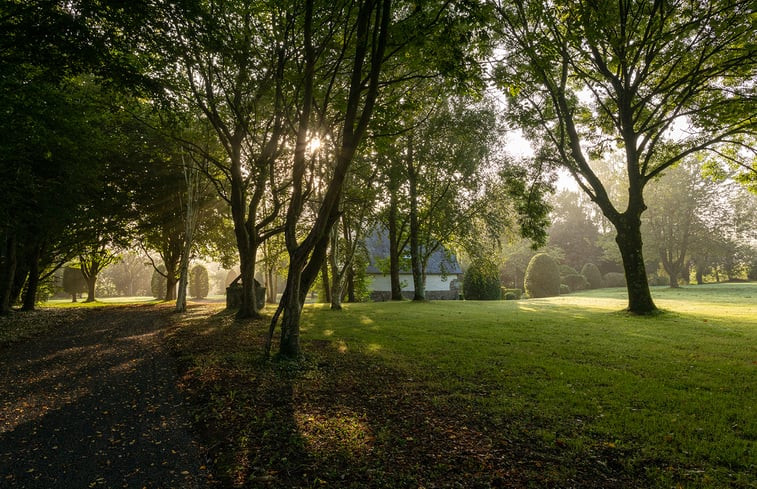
(441, 261)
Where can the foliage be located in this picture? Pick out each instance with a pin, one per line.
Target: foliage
(593, 275)
(565, 289)
(199, 284)
(158, 282)
(566, 270)
(576, 282)
(481, 281)
(614, 279)
(542, 277)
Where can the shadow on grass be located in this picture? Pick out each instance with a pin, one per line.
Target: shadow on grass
(340, 418)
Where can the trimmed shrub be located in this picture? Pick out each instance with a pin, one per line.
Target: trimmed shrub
(158, 283)
(542, 277)
(575, 282)
(565, 289)
(199, 284)
(593, 275)
(566, 270)
(614, 279)
(73, 282)
(510, 296)
(516, 293)
(481, 281)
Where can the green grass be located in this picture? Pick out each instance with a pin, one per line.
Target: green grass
(673, 395)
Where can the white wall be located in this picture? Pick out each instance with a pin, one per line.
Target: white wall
(433, 282)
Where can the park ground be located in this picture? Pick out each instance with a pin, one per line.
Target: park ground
(561, 392)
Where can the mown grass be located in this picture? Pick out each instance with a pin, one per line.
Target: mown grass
(561, 392)
(675, 392)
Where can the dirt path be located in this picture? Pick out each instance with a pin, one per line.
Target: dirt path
(95, 404)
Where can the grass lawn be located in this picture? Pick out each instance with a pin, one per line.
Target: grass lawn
(560, 392)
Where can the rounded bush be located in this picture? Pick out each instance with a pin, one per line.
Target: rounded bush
(481, 281)
(575, 282)
(199, 284)
(614, 279)
(73, 282)
(565, 289)
(542, 277)
(510, 296)
(593, 275)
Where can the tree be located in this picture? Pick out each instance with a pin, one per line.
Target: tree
(92, 260)
(573, 230)
(659, 80)
(232, 58)
(678, 202)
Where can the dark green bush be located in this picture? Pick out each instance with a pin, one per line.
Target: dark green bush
(199, 285)
(614, 279)
(565, 289)
(510, 296)
(73, 282)
(481, 281)
(576, 282)
(593, 275)
(542, 277)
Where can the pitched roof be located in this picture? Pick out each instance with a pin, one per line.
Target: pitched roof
(441, 261)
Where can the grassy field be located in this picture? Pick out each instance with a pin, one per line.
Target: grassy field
(560, 392)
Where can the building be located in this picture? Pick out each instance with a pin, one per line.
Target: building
(443, 273)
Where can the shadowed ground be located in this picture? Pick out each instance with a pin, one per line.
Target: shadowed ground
(94, 403)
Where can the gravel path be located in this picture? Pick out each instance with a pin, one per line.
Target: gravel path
(94, 404)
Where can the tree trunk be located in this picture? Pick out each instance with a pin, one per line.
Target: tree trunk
(271, 285)
(181, 298)
(630, 244)
(7, 274)
(326, 283)
(32, 284)
(249, 307)
(419, 293)
(91, 281)
(73, 297)
(394, 251)
(351, 285)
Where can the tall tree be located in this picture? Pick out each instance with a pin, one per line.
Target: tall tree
(347, 48)
(660, 80)
(231, 59)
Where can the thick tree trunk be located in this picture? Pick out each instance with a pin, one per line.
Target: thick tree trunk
(7, 274)
(249, 307)
(32, 284)
(91, 281)
(630, 245)
(73, 297)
